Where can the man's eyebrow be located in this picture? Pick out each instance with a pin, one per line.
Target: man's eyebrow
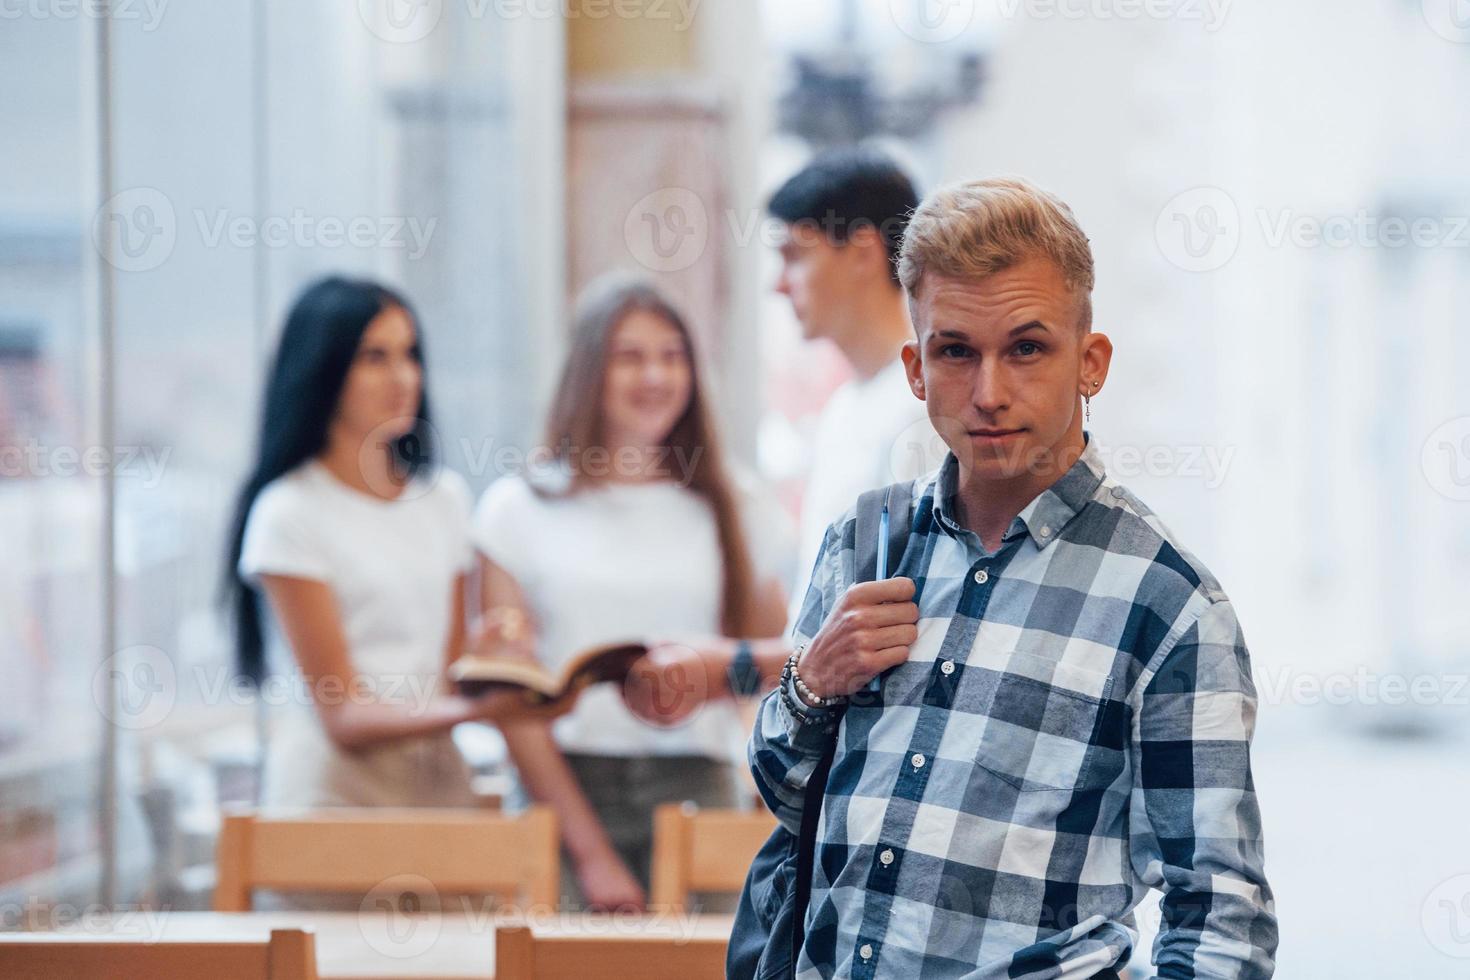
(1033, 325)
(952, 334)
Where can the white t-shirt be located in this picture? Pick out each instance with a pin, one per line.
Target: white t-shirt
(391, 565)
(871, 433)
(617, 562)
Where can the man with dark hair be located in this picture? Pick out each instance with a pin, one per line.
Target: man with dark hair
(844, 215)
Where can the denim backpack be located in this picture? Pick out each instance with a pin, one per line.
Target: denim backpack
(770, 923)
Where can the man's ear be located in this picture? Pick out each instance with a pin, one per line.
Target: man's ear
(869, 250)
(1097, 355)
(913, 367)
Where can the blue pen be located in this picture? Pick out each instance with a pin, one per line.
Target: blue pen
(882, 570)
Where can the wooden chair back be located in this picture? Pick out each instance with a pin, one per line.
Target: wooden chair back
(698, 850)
(357, 850)
(289, 954)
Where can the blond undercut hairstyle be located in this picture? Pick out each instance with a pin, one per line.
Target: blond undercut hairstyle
(980, 227)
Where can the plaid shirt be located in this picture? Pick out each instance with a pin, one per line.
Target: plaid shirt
(1072, 727)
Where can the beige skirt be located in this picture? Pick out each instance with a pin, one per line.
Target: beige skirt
(304, 769)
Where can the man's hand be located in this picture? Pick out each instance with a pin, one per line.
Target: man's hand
(868, 631)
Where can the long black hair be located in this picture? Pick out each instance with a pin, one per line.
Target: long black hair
(317, 348)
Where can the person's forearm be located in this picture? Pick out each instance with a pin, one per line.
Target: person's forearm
(353, 725)
(785, 745)
(769, 656)
(548, 779)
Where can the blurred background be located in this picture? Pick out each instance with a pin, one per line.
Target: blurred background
(1277, 200)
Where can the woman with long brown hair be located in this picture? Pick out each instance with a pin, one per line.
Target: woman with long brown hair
(629, 527)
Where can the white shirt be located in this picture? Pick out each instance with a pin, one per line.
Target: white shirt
(622, 561)
(391, 566)
(871, 433)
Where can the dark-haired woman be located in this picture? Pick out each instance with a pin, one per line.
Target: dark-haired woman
(361, 547)
(633, 529)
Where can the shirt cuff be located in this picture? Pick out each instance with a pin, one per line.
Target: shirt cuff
(809, 728)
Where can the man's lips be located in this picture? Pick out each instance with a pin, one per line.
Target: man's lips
(994, 433)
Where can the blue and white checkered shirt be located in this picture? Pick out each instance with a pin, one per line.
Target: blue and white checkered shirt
(1071, 728)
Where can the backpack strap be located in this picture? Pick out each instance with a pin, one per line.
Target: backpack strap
(900, 502)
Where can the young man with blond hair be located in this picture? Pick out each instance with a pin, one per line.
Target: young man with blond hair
(1063, 707)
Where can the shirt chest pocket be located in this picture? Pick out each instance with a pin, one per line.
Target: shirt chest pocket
(1049, 728)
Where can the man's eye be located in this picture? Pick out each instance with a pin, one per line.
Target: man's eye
(1028, 347)
(954, 350)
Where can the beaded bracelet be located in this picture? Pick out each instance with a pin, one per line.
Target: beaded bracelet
(807, 695)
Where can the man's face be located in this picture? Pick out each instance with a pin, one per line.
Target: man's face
(818, 275)
(1000, 362)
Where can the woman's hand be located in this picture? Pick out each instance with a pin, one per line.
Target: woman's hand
(512, 706)
(503, 632)
(669, 683)
(608, 885)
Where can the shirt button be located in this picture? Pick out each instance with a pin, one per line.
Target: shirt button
(887, 856)
(981, 577)
(946, 667)
(918, 760)
(1046, 530)
(866, 951)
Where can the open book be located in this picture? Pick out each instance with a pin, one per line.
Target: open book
(473, 676)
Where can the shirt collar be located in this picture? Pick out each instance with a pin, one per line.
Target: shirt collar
(1047, 513)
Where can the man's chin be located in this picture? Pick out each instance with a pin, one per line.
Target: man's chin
(1000, 459)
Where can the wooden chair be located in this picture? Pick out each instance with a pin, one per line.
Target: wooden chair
(354, 851)
(289, 954)
(698, 850)
(522, 953)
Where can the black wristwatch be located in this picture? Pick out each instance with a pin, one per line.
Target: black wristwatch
(743, 676)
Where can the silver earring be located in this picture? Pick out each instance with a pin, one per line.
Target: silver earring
(1087, 404)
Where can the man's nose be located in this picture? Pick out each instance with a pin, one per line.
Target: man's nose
(991, 392)
(783, 283)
